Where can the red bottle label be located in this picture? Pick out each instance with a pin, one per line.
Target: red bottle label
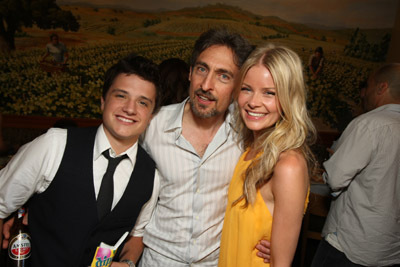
(20, 247)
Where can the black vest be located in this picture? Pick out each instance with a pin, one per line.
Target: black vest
(63, 219)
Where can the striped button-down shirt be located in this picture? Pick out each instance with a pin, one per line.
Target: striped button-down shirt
(187, 221)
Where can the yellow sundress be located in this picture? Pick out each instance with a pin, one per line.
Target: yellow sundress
(244, 227)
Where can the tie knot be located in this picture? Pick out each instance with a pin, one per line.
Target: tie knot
(111, 160)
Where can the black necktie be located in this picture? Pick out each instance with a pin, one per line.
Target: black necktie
(106, 193)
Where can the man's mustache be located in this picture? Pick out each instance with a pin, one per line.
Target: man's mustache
(206, 94)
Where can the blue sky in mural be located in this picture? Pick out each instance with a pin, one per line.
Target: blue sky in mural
(334, 13)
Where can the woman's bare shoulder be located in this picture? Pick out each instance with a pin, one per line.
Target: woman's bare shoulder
(292, 160)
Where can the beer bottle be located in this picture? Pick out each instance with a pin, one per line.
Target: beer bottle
(19, 247)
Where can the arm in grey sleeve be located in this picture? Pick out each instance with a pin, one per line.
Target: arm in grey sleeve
(147, 209)
(353, 153)
(31, 170)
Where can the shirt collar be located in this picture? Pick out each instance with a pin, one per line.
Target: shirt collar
(175, 122)
(390, 107)
(102, 144)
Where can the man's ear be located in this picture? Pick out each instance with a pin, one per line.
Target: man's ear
(382, 88)
(190, 73)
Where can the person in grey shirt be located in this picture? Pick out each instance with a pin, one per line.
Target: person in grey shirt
(363, 224)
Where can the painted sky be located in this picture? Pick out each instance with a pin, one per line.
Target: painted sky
(334, 13)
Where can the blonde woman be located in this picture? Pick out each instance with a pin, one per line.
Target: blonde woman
(268, 193)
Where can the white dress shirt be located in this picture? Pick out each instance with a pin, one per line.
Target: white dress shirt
(187, 221)
(35, 165)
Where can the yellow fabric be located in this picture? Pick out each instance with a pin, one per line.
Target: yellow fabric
(244, 227)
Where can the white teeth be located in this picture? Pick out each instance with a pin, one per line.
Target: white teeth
(124, 120)
(255, 114)
(204, 98)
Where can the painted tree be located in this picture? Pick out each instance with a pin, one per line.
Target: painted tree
(45, 14)
(359, 47)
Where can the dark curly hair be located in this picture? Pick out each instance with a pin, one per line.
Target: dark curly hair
(241, 48)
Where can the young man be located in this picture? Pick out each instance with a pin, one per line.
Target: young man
(195, 149)
(362, 227)
(62, 172)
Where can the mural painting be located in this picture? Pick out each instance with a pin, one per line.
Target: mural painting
(96, 34)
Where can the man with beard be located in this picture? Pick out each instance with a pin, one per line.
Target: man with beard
(195, 150)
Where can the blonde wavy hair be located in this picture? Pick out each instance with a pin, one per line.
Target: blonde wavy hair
(293, 131)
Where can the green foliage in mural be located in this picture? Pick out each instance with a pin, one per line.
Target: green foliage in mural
(275, 36)
(150, 22)
(111, 30)
(359, 47)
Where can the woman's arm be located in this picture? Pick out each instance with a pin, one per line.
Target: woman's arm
(289, 188)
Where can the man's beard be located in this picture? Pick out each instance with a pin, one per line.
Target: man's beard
(199, 109)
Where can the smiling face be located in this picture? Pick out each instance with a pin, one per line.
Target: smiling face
(212, 79)
(127, 110)
(257, 100)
